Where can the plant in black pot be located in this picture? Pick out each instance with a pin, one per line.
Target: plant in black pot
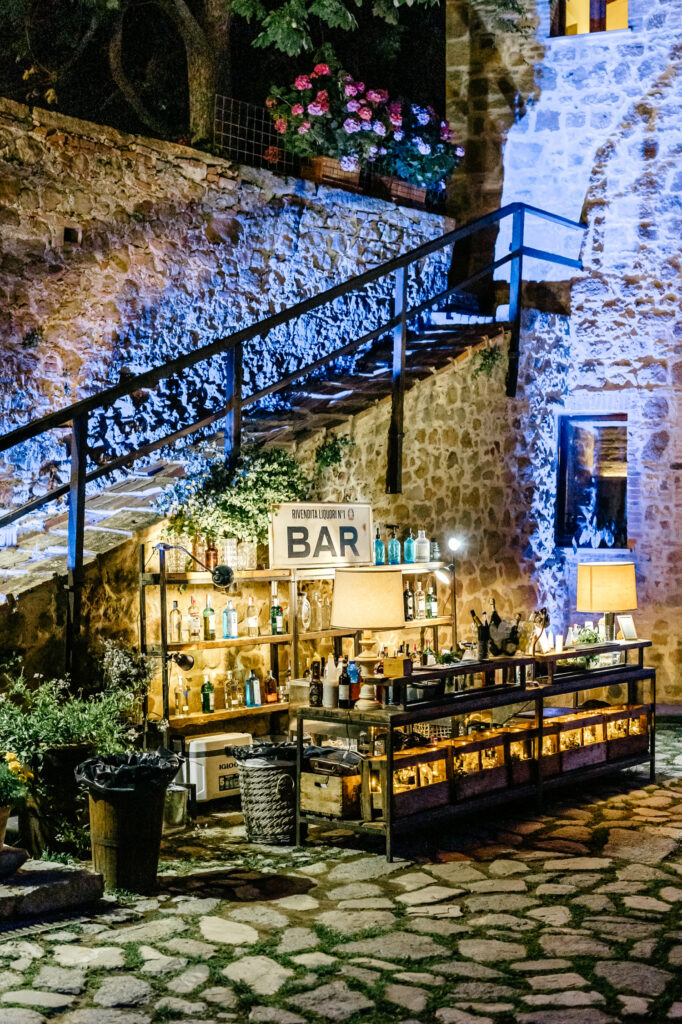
(50, 729)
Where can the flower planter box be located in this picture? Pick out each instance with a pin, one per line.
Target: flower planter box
(325, 170)
(627, 731)
(401, 192)
(335, 796)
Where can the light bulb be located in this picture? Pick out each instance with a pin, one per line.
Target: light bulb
(454, 543)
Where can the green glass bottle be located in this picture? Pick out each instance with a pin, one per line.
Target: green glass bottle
(207, 695)
(209, 620)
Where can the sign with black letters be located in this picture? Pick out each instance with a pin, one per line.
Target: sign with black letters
(321, 534)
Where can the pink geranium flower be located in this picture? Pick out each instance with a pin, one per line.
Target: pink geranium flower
(377, 95)
(365, 113)
(271, 102)
(280, 126)
(350, 125)
(304, 128)
(350, 89)
(360, 86)
(322, 69)
(322, 96)
(303, 82)
(317, 109)
(297, 108)
(353, 106)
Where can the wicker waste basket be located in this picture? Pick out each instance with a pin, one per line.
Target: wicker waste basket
(267, 781)
(127, 794)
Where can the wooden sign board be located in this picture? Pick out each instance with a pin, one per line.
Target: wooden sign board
(319, 535)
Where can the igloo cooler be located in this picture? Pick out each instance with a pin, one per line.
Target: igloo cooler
(209, 768)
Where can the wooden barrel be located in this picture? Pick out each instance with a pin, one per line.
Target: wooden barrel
(125, 834)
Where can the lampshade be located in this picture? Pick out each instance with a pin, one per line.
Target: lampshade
(606, 587)
(368, 599)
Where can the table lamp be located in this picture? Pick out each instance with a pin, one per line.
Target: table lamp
(368, 599)
(607, 587)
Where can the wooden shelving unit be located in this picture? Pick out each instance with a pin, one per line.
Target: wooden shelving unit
(241, 641)
(226, 714)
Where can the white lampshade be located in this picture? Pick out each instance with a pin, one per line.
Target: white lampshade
(606, 587)
(368, 599)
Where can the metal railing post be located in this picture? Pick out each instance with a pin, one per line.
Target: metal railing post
(394, 469)
(76, 530)
(233, 394)
(515, 299)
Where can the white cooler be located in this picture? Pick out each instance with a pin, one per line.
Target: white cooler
(209, 768)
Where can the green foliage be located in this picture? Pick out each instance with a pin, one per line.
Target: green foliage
(36, 718)
(485, 361)
(218, 497)
(12, 786)
(123, 667)
(331, 451)
(422, 152)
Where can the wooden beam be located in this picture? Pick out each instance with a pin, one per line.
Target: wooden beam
(394, 469)
(76, 529)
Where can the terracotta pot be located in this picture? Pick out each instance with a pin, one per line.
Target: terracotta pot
(404, 193)
(4, 817)
(327, 170)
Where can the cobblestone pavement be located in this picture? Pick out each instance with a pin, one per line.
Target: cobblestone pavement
(566, 917)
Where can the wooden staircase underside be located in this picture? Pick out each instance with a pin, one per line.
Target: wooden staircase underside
(317, 403)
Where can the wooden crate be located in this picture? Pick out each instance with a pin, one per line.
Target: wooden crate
(335, 796)
(551, 758)
(479, 765)
(422, 779)
(521, 754)
(589, 731)
(627, 731)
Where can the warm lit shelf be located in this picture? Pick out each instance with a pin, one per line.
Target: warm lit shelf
(320, 634)
(204, 579)
(198, 718)
(439, 620)
(244, 575)
(241, 641)
(407, 568)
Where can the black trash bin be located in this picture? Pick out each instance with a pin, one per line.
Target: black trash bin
(127, 793)
(267, 781)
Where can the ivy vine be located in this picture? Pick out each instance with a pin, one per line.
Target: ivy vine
(485, 361)
(331, 451)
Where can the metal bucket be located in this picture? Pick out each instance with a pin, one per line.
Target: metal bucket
(175, 806)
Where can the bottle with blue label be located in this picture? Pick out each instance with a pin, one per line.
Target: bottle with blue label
(229, 622)
(379, 550)
(408, 549)
(393, 549)
(252, 688)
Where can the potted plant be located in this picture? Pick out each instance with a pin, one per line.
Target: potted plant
(333, 121)
(422, 154)
(51, 729)
(13, 788)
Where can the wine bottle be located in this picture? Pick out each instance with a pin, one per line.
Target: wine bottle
(379, 550)
(207, 695)
(475, 617)
(274, 609)
(344, 688)
(354, 676)
(175, 624)
(209, 620)
(495, 619)
(315, 688)
(251, 619)
(408, 601)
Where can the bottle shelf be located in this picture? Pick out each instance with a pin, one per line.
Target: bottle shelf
(199, 718)
(240, 575)
(439, 620)
(204, 579)
(241, 641)
(320, 634)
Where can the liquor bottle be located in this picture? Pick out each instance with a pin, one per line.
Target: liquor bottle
(175, 624)
(408, 601)
(421, 547)
(269, 689)
(355, 684)
(207, 695)
(194, 620)
(209, 620)
(210, 554)
(344, 688)
(275, 610)
(419, 602)
(431, 603)
(177, 701)
(408, 549)
(393, 549)
(251, 620)
(315, 689)
(185, 697)
(283, 688)
(434, 550)
(304, 612)
(379, 550)
(230, 625)
(252, 690)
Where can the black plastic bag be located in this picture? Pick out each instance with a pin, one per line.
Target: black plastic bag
(126, 773)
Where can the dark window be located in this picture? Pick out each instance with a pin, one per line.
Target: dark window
(592, 482)
(71, 235)
(578, 17)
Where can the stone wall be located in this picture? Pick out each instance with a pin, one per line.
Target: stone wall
(119, 252)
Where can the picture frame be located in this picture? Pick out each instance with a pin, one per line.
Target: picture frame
(626, 624)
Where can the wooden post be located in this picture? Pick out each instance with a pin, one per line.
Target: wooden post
(515, 301)
(233, 393)
(76, 529)
(394, 470)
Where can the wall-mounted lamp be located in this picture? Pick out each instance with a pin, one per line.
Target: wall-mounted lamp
(447, 576)
(185, 662)
(222, 575)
